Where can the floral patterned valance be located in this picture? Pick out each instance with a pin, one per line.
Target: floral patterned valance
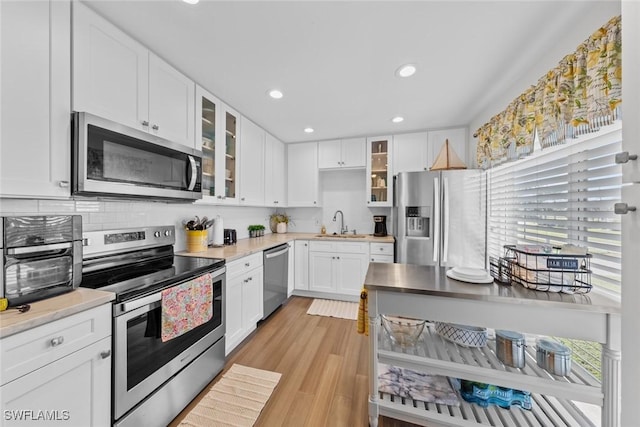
(578, 96)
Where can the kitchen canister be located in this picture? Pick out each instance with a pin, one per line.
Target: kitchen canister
(510, 348)
(196, 240)
(553, 357)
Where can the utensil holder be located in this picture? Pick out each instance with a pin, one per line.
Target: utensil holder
(196, 240)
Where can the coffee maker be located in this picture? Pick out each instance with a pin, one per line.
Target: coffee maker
(380, 225)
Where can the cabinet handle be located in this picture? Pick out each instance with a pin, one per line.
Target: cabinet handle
(64, 184)
(57, 341)
(305, 244)
(250, 279)
(623, 208)
(246, 264)
(155, 127)
(368, 202)
(105, 354)
(314, 202)
(242, 199)
(337, 257)
(219, 197)
(145, 123)
(381, 249)
(624, 157)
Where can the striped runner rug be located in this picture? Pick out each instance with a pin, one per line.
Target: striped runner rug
(332, 308)
(236, 400)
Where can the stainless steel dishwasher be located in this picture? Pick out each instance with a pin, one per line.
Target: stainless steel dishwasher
(276, 276)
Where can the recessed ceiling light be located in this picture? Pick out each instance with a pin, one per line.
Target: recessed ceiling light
(406, 70)
(275, 94)
(397, 119)
(191, 1)
(308, 130)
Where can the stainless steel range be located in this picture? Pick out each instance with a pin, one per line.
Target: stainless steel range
(154, 378)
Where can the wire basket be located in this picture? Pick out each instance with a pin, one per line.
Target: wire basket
(543, 270)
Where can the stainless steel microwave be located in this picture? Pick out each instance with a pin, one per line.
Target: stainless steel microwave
(113, 160)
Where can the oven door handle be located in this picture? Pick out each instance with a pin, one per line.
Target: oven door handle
(150, 299)
(40, 248)
(129, 306)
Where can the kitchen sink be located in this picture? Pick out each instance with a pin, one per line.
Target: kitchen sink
(342, 236)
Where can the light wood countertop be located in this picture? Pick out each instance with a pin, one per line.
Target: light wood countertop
(50, 309)
(250, 246)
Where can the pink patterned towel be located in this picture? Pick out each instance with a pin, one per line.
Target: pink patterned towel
(186, 306)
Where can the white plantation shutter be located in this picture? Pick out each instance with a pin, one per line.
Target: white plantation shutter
(562, 195)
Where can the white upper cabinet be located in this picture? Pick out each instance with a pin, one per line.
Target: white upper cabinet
(227, 164)
(208, 140)
(457, 141)
(379, 176)
(171, 102)
(252, 158)
(35, 121)
(274, 173)
(302, 176)
(117, 78)
(411, 152)
(330, 154)
(354, 153)
(345, 153)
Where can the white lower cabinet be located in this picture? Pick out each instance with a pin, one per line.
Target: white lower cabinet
(243, 299)
(337, 267)
(291, 267)
(301, 270)
(382, 252)
(59, 372)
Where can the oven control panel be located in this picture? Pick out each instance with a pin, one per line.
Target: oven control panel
(106, 241)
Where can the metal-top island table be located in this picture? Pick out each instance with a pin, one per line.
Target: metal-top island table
(427, 293)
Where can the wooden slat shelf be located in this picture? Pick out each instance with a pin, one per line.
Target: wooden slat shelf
(551, 395)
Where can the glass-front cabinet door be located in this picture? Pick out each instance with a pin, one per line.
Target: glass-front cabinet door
(217, 130)
(207, 109)
(230, 155)
(379, 173)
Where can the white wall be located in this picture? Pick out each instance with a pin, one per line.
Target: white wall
(106, 215)
(339, 190)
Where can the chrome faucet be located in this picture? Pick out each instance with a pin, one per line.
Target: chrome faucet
(343, 229)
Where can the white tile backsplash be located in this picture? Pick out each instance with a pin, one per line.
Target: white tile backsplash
(18, 206)
(57, 206)
(342, 190)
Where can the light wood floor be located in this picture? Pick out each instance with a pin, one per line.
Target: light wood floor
(324, 364)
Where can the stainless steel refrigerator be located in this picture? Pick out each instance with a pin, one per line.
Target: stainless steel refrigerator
(440, 218)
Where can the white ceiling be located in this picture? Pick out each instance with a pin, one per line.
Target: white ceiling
(335, 60)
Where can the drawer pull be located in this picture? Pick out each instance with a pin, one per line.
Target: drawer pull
(57, 341)
(246, 264)
(105, 354)
(382, 249)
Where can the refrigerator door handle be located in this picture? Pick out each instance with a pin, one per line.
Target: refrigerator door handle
(445, 214)
(436, 221)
